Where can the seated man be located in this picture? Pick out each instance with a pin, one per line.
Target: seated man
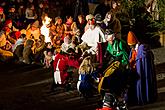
(116, 48)
(5, 47)
(93, 35)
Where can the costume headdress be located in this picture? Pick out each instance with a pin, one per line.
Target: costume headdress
(131, 38)
(89, 17)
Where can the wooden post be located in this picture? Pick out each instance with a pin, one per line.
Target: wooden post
(162, 39)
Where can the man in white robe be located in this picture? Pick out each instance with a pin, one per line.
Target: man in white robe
(92, 36)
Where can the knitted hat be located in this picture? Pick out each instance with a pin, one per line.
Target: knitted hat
(89, 17)
(131, 38)
(36, 24)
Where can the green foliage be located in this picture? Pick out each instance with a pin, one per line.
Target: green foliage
(161, 6)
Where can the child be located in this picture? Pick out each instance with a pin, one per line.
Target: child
(18, 47)
(84, 85)
(28, 52)
(65, 45)
(48, 53)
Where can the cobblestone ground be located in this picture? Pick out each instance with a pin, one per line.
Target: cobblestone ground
(159, 54)
(27, 87)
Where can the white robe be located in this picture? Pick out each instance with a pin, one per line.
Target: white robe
(92, 37)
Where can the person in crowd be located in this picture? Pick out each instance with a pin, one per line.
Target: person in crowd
(18, 48)
(40, 11)
(92, 36)
(85, 83)
(57, 31)
(38, 49)
(115, 77)
(30, 2)
(65, 44)
(116, 48)
(103, 8)
(113, 23)
(28, 52)
(115, 5)
(4, 5)
(5, 47)
(146, 86)
(43, 9)
(2, 17)
(13, 14)
(99, 22)
(108, 102)
(48, 55)
(60, 66)
(90, 20)
(33, 31)
(73, 66)
(21, 15)
(10, 31)
(74, 43)
(133, 44)
(30, 14)
(72, 58)
(81, 25)
(123, 16)
(70, 26)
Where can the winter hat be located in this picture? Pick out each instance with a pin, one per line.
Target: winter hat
(131, 38)
(98, 18)
(89, 17)
(36, 24)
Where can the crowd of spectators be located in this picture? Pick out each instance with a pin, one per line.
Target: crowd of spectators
(20, 22)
